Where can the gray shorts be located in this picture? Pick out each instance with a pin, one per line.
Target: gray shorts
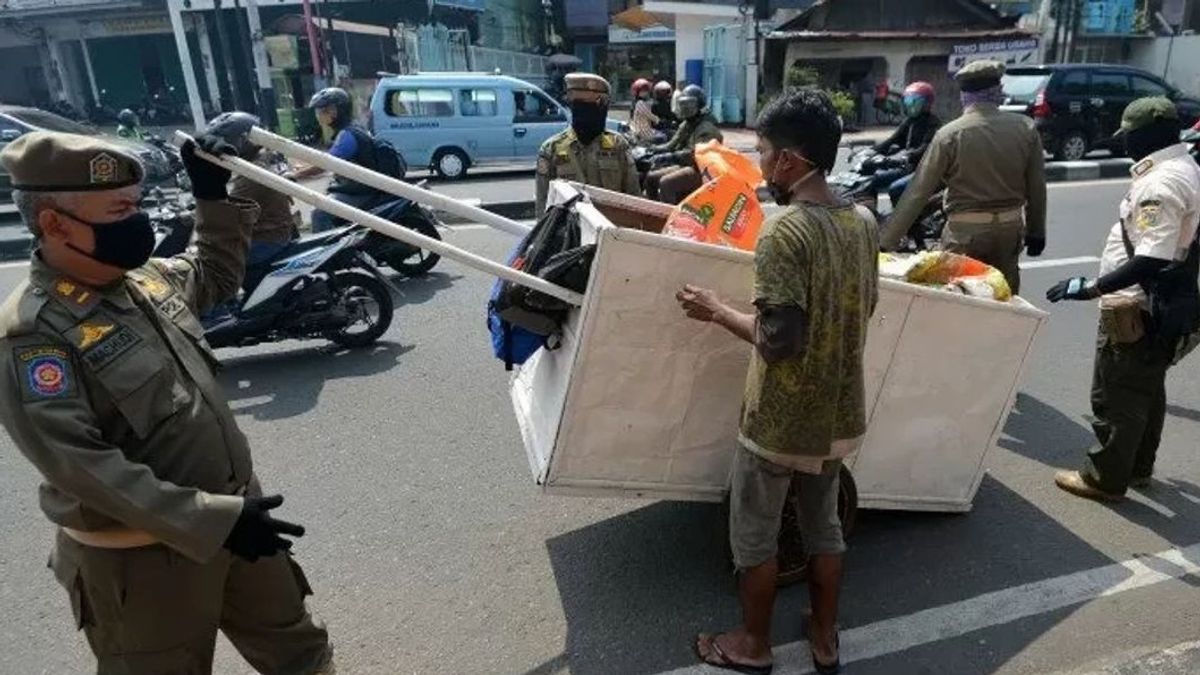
(758, 495)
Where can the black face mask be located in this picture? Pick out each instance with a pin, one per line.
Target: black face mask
(587, 119)
(126, 243)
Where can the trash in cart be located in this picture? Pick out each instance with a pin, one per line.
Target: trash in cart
(948, 271)
(725, 209)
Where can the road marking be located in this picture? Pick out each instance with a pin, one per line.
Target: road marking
(1059, 262)
(1086, 183)
(898, 634)
(15, 263)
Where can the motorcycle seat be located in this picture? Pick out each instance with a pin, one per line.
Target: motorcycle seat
(312, 241)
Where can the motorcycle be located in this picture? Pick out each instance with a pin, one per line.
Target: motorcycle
(857, 185)
(322, 286)
(172, 214)
(173, 160)
(408, 260)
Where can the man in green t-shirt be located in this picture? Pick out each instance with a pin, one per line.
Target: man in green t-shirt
(815, 288)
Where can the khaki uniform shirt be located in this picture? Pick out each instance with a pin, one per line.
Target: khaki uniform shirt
(111, 394)
(276, 222)
(1159, 213)
(694, 132)
(989, 160)
(606, 162)
(802, 410)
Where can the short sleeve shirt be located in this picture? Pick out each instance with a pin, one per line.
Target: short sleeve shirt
(1160, 214)
(824, 261)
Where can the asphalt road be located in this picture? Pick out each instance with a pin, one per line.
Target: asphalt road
(431, 551)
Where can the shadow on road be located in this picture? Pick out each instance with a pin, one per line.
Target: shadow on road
(635, 589)
(280, 385)
(1183, 413)
(422, 289)
(1041, 432)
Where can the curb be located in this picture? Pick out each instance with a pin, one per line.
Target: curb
(1063, 172)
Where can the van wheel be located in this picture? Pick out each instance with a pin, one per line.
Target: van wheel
(1072, 147)
(451, 163)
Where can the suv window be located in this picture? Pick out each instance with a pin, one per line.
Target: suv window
(420, 103)
(1023, 87)
(1110, 84)
(535, 106)
(1144, 86)
(1075, 83)
(477, 102)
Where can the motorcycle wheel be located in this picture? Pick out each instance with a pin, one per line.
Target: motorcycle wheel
(793, 561)
(370, 300)
(410, 260)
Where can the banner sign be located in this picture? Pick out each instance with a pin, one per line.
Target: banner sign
(1009, 52)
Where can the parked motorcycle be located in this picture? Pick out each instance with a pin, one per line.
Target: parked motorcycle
(857, 184)
(172, 214)
(173, 160)
(322, 286)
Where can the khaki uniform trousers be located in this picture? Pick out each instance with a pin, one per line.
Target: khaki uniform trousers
(993, 238)
(151, 611)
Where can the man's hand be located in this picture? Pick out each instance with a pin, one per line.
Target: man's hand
(208, 179)
(700, 304)
(661, 160)
(256, 533)
(1034, 246)
(1078, 288)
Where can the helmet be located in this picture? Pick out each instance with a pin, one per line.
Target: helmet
(923, 89)
(639, 86)
(127, 118)
(697, 92)
(663, 89)
(918, 97)
(337, 98)
(233, 127)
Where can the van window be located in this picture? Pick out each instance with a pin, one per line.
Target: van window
(534, 106)
(420, 103)
(477, 102)
(1110, 84)
(1075, 83)
(1143, 86)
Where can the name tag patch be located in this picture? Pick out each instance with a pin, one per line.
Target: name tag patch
(46, 373)
(112, 346)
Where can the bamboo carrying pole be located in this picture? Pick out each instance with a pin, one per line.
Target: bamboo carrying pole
(326, 203)
(341, 167)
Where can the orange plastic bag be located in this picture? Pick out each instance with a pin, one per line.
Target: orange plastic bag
(725, 209)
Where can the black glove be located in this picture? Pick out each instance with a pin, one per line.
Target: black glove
(659, 161)
(1034, 246)
(256, 533)
(208, 179)
(1078, 288)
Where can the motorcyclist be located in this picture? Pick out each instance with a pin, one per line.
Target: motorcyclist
(643, 119)
(900, 153)
(128, 125)
(673, 173)
(661, 106)
(351, 143)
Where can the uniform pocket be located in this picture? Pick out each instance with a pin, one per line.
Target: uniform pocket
(190, 325)
(66, 572)
(301, 579)
(144, 389)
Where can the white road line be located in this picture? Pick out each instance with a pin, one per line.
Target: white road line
(897, 634)
(1086, 183)
(14, 263)
(1059, 262)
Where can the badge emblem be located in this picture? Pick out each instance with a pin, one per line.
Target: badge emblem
(154, 287)
(65, 288)
(91, 333)
(103, 168)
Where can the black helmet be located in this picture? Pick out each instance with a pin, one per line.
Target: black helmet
(233, 127)
(337, 98)
(697, 92)
(127, 118)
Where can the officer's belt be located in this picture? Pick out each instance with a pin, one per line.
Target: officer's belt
(984, 217)
(120, 538)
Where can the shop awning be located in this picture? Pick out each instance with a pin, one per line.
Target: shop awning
(638, 19)
(293, 24)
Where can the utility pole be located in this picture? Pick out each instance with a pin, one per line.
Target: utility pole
(175, 11)
(262, 67)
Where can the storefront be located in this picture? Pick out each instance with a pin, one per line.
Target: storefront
(630, 55)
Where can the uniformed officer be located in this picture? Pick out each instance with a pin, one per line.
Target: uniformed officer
(1152, 246)
(674, 175)
(585, 152)
(992, 165)
(107, 386)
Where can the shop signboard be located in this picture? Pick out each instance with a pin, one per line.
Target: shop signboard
(619, 35)
(1009, 52)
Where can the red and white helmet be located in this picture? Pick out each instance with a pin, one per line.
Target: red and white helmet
(639, 86)
(922, 89)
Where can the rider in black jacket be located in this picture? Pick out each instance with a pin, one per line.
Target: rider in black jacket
(902, 151)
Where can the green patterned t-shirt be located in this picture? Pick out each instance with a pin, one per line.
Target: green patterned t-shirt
(825, 261)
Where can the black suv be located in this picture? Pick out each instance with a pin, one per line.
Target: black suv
(1077, 107)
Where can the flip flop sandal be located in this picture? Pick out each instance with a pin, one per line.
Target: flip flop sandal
(727, 663)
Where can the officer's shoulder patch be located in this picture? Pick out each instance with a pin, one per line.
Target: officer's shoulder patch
(1148, 213)
(45, 372)
(1143, 167)
(608, 141)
